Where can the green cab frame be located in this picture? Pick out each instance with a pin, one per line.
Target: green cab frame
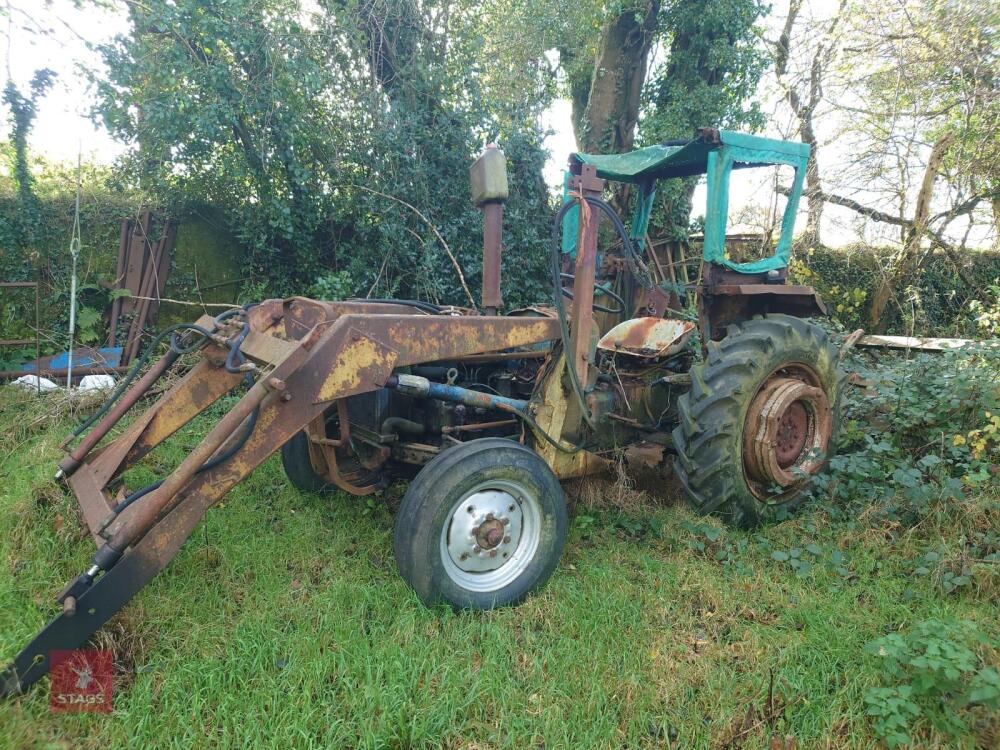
(714, 153)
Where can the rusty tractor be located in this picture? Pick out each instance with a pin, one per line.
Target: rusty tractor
(485, 412)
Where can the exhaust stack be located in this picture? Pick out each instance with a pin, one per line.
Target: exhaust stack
(488, 175)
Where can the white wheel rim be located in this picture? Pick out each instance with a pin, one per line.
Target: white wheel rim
(491, 535)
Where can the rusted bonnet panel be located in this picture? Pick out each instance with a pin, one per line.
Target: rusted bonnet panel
(360, 351)
(647, 337)
(301, 315)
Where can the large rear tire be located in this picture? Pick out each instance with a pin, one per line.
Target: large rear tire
(761, 418)
(305, 468)
(481, 526)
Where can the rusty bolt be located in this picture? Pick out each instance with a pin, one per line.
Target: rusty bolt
(477, 549)
(489, 516)
(506, 540)
(463, 556)
(69, 606)
(276, 383)
(506, 522)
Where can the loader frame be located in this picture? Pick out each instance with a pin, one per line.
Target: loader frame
(310, 355)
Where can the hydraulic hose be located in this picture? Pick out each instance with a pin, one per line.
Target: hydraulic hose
(568, 293)
(210, 464)
(419, 304)
(555, 252)
(178, 349)
(122, 386)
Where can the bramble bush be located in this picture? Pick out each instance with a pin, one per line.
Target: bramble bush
(925, 430)
(932, 671)
(937, 301)
(986, 312)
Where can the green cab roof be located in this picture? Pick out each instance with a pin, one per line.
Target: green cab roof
(690, 158)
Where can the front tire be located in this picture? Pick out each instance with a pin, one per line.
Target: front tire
(761, 418)
(481, 526)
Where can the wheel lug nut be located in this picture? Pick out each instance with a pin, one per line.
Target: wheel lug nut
(506, 522)
(477, 549)
(506, 540)
(489, 516)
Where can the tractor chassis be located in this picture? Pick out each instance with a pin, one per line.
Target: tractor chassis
(311, 360)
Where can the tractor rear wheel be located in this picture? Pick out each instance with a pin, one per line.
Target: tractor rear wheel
(306, 468)
(760, 419)
(481, 526)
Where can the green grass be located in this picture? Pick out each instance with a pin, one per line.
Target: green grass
(283, 623)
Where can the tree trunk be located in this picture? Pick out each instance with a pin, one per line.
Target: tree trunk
(996, 222)
(392, 31)
(608, 120)
(907, 261)
(803, 105)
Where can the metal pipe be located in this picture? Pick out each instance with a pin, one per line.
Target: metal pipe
(70, 463)
(415, 385)
(448, 429)
(146, 512)
(492, 243)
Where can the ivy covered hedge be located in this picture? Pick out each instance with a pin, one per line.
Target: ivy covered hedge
(34, 245)
(937, 302)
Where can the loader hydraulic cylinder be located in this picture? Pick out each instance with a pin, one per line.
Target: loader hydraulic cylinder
(422, 387)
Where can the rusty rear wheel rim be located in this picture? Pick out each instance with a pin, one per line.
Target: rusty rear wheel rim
(787, 432)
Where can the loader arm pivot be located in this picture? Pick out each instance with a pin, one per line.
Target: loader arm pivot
(307, 355)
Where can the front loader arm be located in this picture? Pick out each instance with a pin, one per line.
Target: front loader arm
(308, 355)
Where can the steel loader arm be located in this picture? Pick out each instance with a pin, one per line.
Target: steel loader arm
(309, 354)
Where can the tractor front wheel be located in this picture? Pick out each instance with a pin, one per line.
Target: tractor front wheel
(481, 526)
(761, 418)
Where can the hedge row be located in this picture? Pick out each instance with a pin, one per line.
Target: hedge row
(35, 246)
(936, 302)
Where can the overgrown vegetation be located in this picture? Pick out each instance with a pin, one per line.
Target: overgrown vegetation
(926, 432)
(871, 616)
(941, 299)
(933, 671)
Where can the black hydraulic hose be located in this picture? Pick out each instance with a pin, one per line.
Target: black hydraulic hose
(419, 304)
(178, 349)
(234, 352)
(140, 363)
(568, 293)
(629, 247)
(210, 464)
(548, 438)
(555, 252)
